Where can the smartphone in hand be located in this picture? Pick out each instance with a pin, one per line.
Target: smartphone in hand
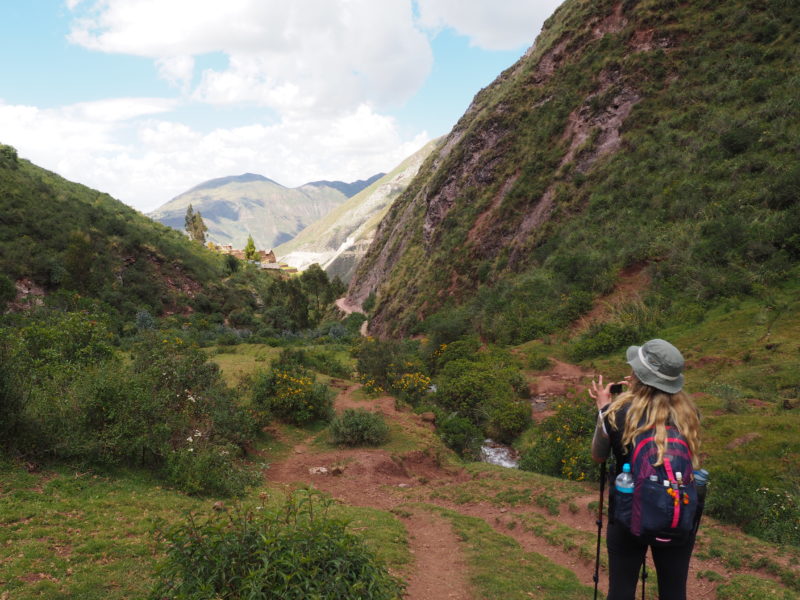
(616, 388)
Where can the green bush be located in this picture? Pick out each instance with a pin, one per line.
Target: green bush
(293, 396)
(602, 339)
(298, 552)
(538, 362)
(466, 349)
(736, 497)
(207, 468)
(461, 435)
(384, 361)
(562, 443)
(359, 427)
(507, 420)
(167, 409)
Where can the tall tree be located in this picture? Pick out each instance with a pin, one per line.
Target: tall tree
(250, 252)
(199, 228)
(194, 225)
(188, 220)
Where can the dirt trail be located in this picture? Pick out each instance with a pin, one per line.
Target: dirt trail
(440, 570)
(378, 479)
(347, 307)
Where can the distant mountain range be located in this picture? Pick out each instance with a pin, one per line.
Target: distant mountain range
(237, 206)
(339, 240)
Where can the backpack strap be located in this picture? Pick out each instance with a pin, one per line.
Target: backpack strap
(676, 495)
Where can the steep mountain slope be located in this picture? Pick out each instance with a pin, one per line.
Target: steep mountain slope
(339, 240)
(649, 134)
(58, 235)
(237, 206)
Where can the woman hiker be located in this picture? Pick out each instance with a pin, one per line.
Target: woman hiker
(653, 401)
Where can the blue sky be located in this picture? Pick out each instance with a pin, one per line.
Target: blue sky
(144, 99)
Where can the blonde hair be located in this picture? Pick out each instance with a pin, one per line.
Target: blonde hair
(651, 408)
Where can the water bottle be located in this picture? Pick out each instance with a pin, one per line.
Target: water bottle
(624, 483)
(701, 484)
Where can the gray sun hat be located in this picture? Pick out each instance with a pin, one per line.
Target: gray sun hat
(657, 363)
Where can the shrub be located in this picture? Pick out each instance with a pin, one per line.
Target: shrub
(538, 362)
(412, 387)
(508, 420)
(735, 496)
(8, 291)
(205, 468)
(167, 410)
(466, 349)
(461, 435)
(297, 552)
(384, 361)
(145, 321)
(562, 446)
(292, 396)
(358, 427)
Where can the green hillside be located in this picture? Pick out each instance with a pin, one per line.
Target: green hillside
(650, 135)
(59, 235)
(73, 248)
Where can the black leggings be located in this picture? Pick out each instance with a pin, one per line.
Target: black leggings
(625, 556)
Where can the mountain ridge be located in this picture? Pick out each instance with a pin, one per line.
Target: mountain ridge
(238, 206)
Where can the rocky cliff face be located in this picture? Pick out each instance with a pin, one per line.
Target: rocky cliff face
(514, 188)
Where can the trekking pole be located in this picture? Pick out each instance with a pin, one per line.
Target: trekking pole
(596, 576)
(644, 572)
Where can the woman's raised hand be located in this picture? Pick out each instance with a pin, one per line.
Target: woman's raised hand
(602, 393)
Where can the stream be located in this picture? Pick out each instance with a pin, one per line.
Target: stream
(499, 454)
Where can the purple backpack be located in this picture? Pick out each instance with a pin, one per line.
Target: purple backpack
(657, 513)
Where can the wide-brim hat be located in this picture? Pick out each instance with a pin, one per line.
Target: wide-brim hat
(659, 364)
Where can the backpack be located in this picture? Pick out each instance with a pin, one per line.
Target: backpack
(655, 513)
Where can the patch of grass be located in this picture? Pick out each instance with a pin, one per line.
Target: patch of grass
(714, 541)
(750, 587)
(548, 502)
(581, 544)
(67, 533)
(711, 576)
(500, 568)
(71, 533)
(241, 361)
(513, 496)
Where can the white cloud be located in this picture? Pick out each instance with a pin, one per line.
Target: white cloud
(144, 161)
(292, 56)
(177, 70)
(326, 68)
(493, 25)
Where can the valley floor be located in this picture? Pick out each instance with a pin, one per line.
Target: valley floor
(542, 520)
(450, 530)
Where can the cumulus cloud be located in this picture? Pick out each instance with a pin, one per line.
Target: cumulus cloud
(291, 56)
(326, 68)
(503, 25)
(143, 159)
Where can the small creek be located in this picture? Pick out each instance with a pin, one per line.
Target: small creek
(499, 454)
